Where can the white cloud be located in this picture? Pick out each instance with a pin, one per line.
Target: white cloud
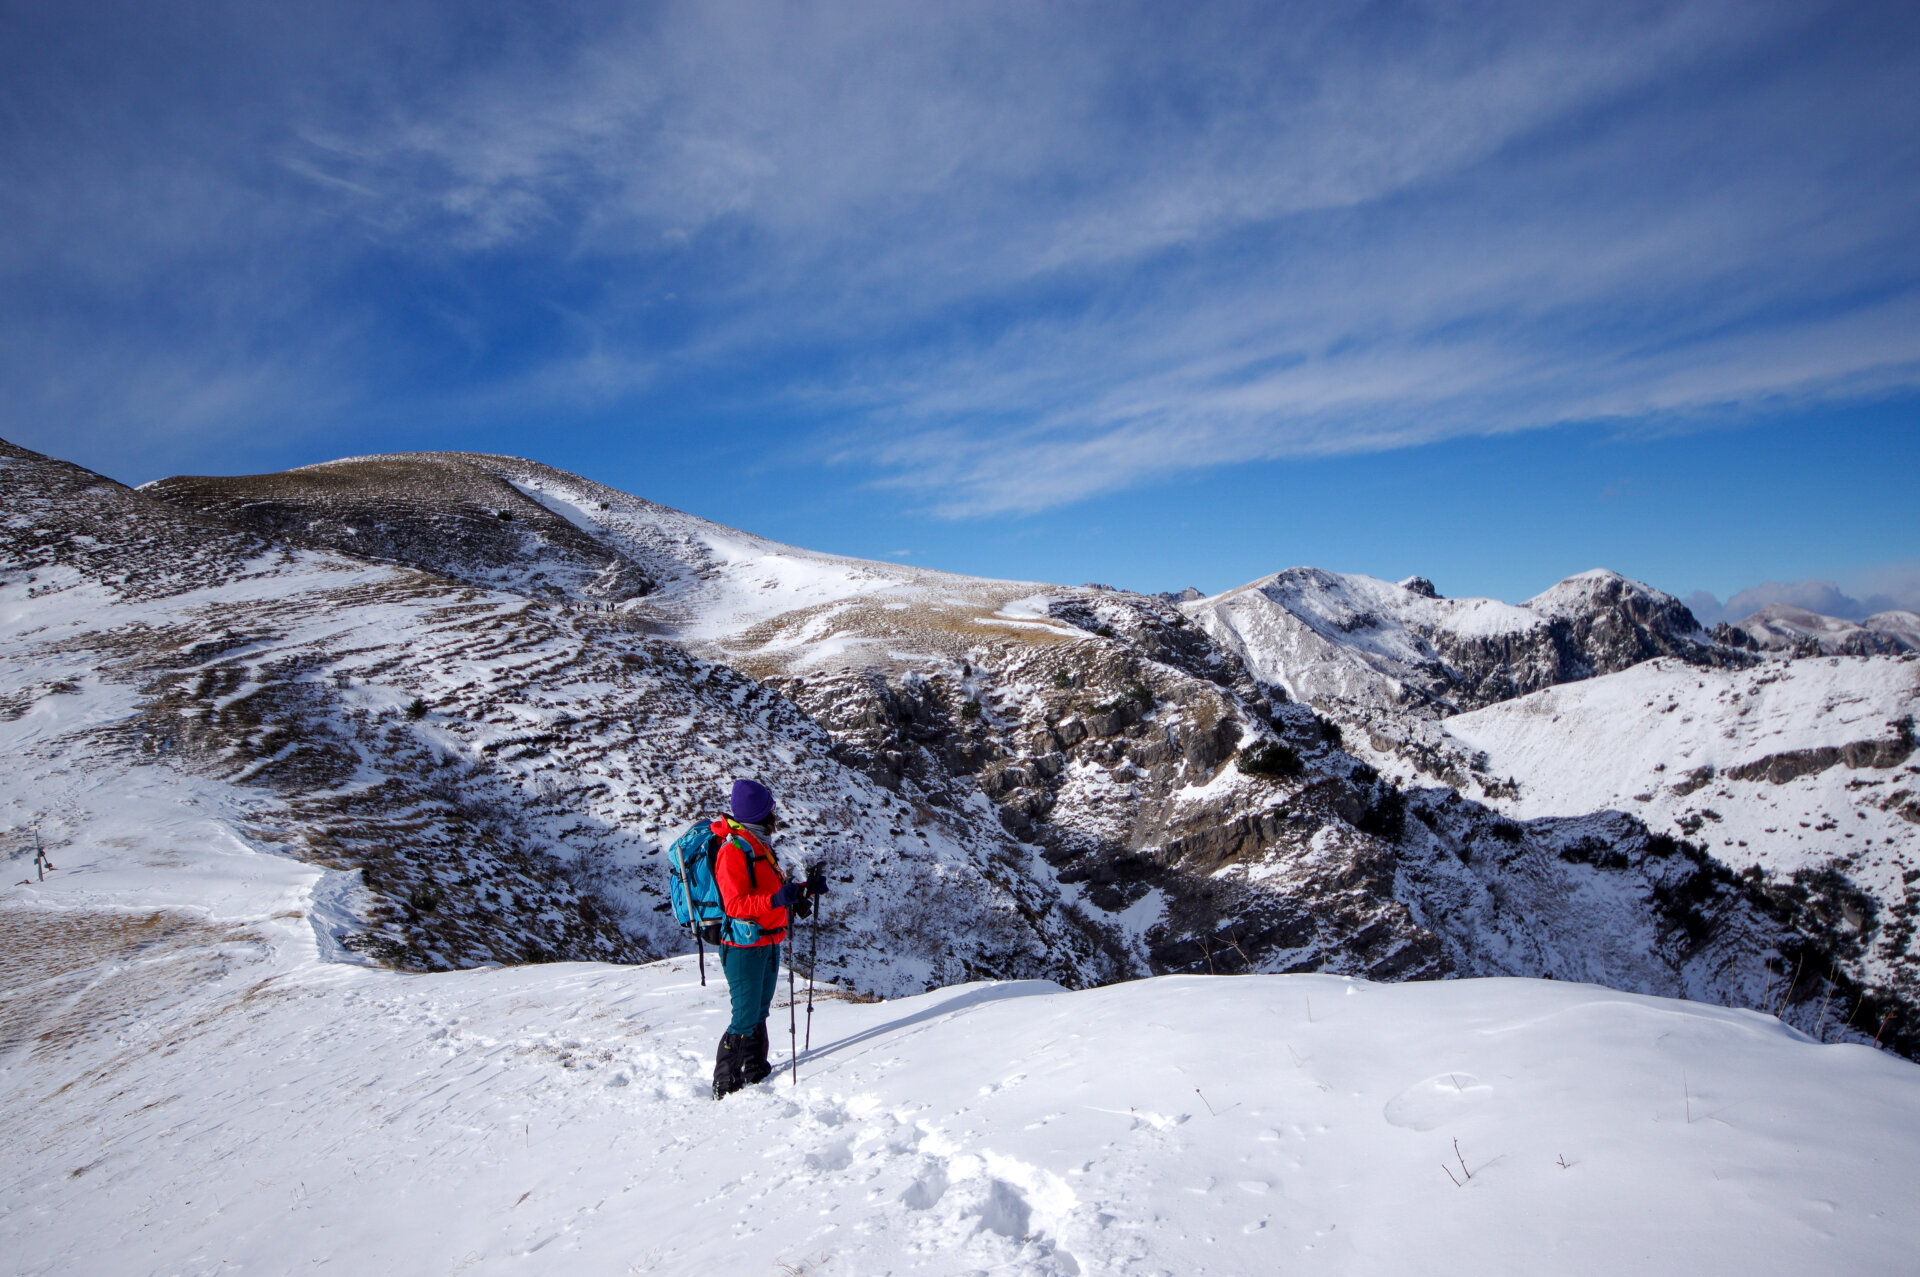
(1883, 588)
(1027, 253)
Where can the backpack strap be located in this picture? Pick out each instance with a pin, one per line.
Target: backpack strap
(749, 847)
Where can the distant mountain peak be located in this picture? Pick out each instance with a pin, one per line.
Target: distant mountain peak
(1787, 628)
(1381, 648)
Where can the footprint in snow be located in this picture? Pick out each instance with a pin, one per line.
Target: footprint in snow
(834, 1157)
(926, 1191)
(830, 1113)
(1006, 1212)
(1003, 1084)
(1436, 1101)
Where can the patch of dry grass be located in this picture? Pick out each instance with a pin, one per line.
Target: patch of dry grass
(67, 976)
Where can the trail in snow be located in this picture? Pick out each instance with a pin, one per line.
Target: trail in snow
(197, 1092)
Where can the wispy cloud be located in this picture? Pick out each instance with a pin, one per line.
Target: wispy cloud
(1011, 255)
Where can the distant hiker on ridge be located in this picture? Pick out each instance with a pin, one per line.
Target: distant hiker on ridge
(757, 901)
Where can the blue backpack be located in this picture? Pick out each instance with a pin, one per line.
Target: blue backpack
(695, 894)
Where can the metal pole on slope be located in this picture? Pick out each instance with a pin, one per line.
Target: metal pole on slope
(813, 957)
(793, 1027)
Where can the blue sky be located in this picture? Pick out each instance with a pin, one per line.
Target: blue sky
(1149, 294)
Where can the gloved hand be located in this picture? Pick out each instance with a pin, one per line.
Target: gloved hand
(816, 881)
(801, 908)
(789, 895)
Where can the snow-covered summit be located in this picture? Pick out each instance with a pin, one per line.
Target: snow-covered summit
(1600, 589)
(1368, 647)
(517, 524)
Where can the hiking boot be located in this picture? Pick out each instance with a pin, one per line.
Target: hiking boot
(754, 1067)
(729, 1064)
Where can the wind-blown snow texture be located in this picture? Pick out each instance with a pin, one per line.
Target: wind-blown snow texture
(189, 1087)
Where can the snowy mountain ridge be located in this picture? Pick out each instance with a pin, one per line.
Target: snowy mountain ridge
(1782, 627)
(1013, 779)
(317, 755)
(1377, 648)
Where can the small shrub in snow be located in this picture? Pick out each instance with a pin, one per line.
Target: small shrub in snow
(1138, 694)
(1386, 816)
(1272, 759)
(416, 708)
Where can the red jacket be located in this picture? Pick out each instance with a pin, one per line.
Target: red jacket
(746, 889)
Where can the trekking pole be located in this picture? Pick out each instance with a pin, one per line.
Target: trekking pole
(40, 861)
(793, 1028)
(700, 946)
(812, 958)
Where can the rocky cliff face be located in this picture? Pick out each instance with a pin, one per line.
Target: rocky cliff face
(1603, 622)
(1121, 770)
(1006, 779)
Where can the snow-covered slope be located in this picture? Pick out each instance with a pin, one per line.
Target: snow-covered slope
(185, 1086)
(505, 521)
(502, 774)
(1805, 768)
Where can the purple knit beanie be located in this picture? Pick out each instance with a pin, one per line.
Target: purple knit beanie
(752, 802)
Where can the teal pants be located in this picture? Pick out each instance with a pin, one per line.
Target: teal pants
(751, 977)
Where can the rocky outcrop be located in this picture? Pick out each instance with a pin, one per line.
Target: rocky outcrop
(1602, 622)
(1792, 764)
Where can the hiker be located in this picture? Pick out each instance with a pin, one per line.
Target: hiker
(752, 889)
